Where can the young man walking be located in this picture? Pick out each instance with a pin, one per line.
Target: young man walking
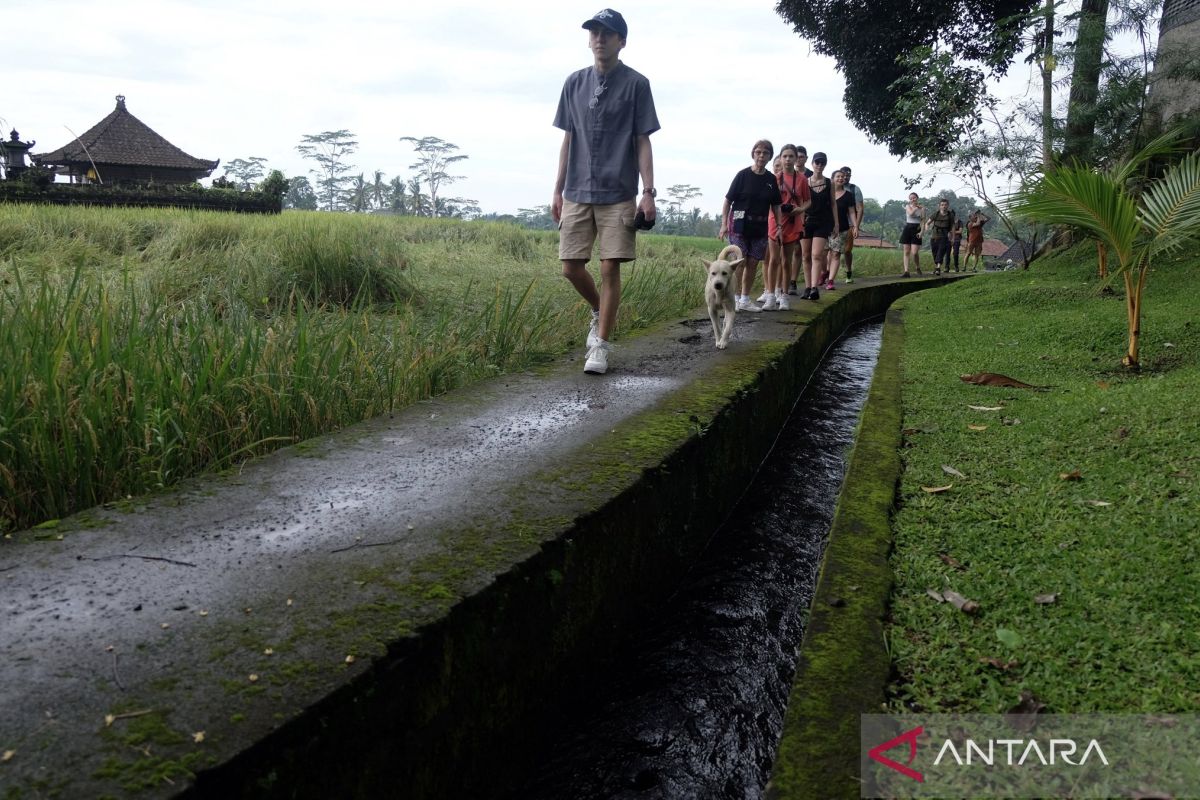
(606, 113)
(848, 252)
(940, 222)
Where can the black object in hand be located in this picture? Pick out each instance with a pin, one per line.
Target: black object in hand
(641, 223)
(787, 208)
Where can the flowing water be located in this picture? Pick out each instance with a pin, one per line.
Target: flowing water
(692, 706)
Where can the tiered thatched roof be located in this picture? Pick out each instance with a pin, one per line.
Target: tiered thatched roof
(122, 144)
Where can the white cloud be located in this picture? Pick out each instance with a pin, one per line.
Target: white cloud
(225, 79)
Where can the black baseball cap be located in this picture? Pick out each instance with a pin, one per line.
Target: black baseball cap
(610, 19)
(820, 158)
(845, 169)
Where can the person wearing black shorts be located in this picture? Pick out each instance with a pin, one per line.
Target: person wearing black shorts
(910, 237)
(819, 224)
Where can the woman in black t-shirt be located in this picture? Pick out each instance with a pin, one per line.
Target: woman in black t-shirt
(819, 224)
(753, 195)
(846, 210)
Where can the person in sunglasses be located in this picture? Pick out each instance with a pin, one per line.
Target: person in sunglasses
(606, 112)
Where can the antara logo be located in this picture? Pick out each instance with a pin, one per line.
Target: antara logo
(877, 753)
(989, 752)
(1017, 751)
(603, 14)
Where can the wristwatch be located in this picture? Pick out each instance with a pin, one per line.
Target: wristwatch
(650, 190)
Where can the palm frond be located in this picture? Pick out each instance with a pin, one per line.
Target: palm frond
(1171, 207)
(1162, 145)
(1092, 202)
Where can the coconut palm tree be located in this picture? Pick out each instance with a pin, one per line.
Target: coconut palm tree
(1133, 223)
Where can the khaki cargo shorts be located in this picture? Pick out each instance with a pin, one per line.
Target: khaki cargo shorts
(582, 224)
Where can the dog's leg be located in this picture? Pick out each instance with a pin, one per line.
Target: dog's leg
(712, 317)
(730, 313)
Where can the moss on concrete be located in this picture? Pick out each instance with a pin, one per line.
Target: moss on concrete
(844, 663)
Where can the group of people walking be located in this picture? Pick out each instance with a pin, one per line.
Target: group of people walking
(946, 232)
(799, 222)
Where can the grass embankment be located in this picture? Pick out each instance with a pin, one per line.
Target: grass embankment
(140, 347)
(1075, 525)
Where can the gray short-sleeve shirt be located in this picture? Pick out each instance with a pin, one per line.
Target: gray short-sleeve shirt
(602, 166)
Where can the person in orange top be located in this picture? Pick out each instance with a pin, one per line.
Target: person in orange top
(975, 223)
(784, 250)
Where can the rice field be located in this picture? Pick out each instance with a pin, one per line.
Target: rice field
(139, 347)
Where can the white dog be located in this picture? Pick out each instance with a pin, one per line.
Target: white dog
(719, 291)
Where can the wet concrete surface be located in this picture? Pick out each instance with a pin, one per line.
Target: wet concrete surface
(692, 704)
(120, 604)
(171, 603)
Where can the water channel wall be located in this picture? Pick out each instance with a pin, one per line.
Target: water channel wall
(452, 712)
(477, 644)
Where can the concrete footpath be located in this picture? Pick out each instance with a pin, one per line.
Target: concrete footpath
(390, 610)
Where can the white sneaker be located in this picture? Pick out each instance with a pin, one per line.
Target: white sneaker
(597, 358)
(744, 304)
(769, 304)
(762, 298)
(593, 337)
(782, 302)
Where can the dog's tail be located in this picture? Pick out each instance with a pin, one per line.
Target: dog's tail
(730, 250)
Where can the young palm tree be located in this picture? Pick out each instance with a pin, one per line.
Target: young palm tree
(1134, 227)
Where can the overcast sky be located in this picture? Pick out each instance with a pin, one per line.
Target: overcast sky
(223, 79)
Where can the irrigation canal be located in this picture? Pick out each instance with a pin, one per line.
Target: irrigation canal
(692, 705)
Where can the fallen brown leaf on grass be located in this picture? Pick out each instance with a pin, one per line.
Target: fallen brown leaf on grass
(1150, 794)
(999, 663)
(951, 561)
(955, 599)
(1046, 599)
(993, 379)
(911, 431)
(1073, 475)
(949, 470)
(961, 603)
(937, 489)
(977, 427)
(1102, 384)
(985, 408)
(8, 755)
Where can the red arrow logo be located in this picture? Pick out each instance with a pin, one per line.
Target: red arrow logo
(877, 753)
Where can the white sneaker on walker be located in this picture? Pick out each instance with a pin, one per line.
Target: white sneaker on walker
(770, 304)
(744, 304)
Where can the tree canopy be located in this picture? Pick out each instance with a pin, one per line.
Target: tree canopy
(914, 69)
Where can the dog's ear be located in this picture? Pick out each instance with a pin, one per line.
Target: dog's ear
(707, 265)
(736, 264)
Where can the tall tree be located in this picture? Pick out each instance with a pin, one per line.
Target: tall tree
(358, 196)
(246, 172)
(1047, 68)
(300, 195)
(888, 50)
(434, 157)
(330, 150)
(418, 203)
(1085, 81)
(397, 192)
(378, 189)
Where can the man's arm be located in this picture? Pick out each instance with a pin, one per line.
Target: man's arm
(556, 202)
(645, 154)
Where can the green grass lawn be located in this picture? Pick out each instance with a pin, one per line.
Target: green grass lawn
(142, 346)
(1085, 491)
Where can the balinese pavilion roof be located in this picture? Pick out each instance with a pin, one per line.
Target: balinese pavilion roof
(123, 140)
